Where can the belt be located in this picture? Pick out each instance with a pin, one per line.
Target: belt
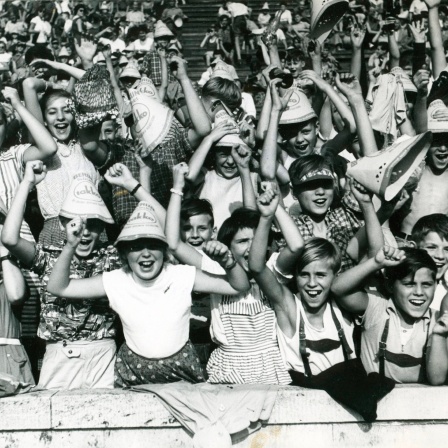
(403, 236)
(10, 341)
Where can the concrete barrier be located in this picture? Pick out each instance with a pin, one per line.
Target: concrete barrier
(412, 416)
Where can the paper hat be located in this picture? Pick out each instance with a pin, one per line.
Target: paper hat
(298, 109)
(83, 199)
(100, 58)
(229, 139)
(436, 124)
(386, 172)
(402, 77)
(143, 223)
(130, 71)
(223, 70)
(162, 30)
(123, 60)
(325, 14)
(265, 6)
(152, 119)
(63, 52)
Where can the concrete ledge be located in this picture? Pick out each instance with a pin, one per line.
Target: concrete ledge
(411, 416)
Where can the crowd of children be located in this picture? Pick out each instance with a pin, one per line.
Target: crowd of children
(164, 230)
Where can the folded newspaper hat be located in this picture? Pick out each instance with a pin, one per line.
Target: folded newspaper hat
(229, 139)
(223, 70)
(93, 98)
(386, 172)
(152, 119)
(437, 124)
(325, 14)
(143, 223)
(299, 109)
(83, 199)
(162, 30)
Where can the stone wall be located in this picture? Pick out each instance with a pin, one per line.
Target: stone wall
(411, 416)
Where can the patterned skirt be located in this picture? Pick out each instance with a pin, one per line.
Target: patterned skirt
(132, 369)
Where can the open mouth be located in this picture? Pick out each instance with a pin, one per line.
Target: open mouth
(84, 243)
(302, 147)
(313, 293)
(195, 243)
(320, 202)
(442, 157)
(417, 302)
(146, 265)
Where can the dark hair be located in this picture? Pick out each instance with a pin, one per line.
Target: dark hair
(78, 7)
(305, 164)
(194, 206)
(241, 218)
(415, 259)
(223, 89)
(320, 249)
(38, 52)
(295, 53)
(437, 222)
(290, 130)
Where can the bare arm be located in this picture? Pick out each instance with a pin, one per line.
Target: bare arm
(435, 38)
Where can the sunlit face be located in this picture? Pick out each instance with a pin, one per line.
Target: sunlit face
(108, 130)
(240, 247)
(315, 197)
(295, 66)
(304, 141)
(412, 295)
(142, 35)
(314, 282)
(90, 236)
(59, 118)
(225, 165)
(197, 230)
(145, 258)
(437, 248)
(437, 157)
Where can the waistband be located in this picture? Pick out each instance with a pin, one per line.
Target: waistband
(10, 341)
(98, 343)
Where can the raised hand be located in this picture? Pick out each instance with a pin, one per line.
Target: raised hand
(349, 85)
(241, 155)
(360, 193)
(221, 129)
(35, 172)
(86, 47)
(279, 103)
(268, 201)
(357, 36)
(181, 72)
(219, 252)
(11, 95)
(180, 172)
(389, 256)
(418, 32)
(421, 80)
(441, 326)
(74, 230)
(119, 175)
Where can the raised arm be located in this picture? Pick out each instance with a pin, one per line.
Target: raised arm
(113, 77)
(347, 288)
(74, 72)
(437, 355)
(242, 155)
(60, 284)
(435, 38)
(21, 248)
(45, 146)
(198, 115)
(357, 36)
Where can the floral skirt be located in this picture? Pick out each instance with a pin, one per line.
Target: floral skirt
(132, 369)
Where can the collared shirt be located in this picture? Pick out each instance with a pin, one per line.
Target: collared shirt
(75, 320)
(378, 311)
(342, 224)
(152, 67)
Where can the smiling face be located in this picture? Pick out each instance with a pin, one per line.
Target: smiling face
(197, 230)
(315, 196)
(437, 248)
(59, 118)
(225, 165)
(90, 236)
(313, 283)
(437, 157)
(304, 139)
(295, 66)
(413, 294)
(240, 247)
(145, 258)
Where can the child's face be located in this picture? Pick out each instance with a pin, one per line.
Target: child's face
(90, 236)
(314, 282)
(240, 247)
(295, 66)
(315, 197)
(225, 165)
(197, 230)
(303, 143)
(412, 295)
(437, 248)
(145, 258)
(437, 157)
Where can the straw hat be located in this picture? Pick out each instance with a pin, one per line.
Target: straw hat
(83, 199)
(143, 223)
(434, 124)
(325, 14)
(298, 110)
(152, 119)
(162, 30)
(229, 139)
(130, 71)
(402, 77)
(386, 172)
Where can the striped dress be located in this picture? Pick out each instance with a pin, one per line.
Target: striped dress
(244, 327)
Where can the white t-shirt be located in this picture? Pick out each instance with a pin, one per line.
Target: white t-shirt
(247, 104)
(319, 362)
(146, 45)
(44, 29)
(155, 318)
(238, 9)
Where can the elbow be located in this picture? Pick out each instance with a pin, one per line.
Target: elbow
(10, 241)
(18, 297)
(267, 173)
